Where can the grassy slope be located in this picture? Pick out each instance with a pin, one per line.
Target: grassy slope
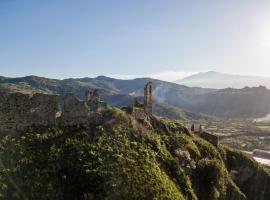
(117, 159)
(253, 179)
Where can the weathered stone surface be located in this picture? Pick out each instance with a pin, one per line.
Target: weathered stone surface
(93, 101)
(148, 102)
(19, 112)
(196, 128)
(213, 139)
(138, 113)
(142, 111)
(74, 111)
(210, 137)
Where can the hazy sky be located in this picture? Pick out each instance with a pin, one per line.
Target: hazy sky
(78, 38)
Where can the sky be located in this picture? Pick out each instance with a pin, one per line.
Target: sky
(135, 38)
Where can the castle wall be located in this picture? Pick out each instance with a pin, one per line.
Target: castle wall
(19, 112)
(138, 113)
(213, 139)
(74, 111)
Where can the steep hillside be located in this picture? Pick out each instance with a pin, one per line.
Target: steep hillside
(244, 103)
(122, 158)
(173, 112)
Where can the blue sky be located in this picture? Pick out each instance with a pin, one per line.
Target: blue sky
(78, 38)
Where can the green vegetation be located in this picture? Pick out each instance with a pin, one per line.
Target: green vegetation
(120, 159)
(252, 178)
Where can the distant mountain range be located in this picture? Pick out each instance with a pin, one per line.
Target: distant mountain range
(171, 99)
(218, 80)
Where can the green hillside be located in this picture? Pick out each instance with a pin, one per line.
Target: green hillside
(121, 158)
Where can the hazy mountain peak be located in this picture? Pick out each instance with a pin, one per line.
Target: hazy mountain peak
(217, 80)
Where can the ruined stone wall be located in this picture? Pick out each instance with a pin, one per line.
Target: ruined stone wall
(138, 113)
(19, 112)
(148, 102)
(74, 111)
(213, 139)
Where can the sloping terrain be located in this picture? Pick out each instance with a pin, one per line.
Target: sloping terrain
(121, 158)
(244, 103)
(174, 112)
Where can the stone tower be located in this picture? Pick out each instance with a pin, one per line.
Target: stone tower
(148, 98)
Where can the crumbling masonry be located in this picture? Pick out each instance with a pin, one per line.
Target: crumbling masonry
(148, 98)
(20, 112)
(142, 111)
(212, 138)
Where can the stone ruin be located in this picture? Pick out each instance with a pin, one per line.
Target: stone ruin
(141, 111)
(20, 112)
(196, 128)
(148, 102)
(92, 100)
(212, 138)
